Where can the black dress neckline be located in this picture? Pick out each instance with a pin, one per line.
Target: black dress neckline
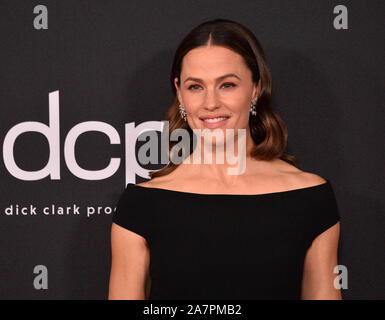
(292, 191)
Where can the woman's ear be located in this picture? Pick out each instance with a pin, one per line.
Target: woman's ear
(257, 90)
(177, 89)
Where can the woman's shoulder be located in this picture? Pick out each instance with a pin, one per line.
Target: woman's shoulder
(296, 177)
(320, 197)
(135, 208)
(158, 182)
(281, 175)
(305, 179)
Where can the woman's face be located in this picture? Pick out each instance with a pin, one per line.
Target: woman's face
(215, 82)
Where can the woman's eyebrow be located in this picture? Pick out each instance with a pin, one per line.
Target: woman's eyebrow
(217, 79)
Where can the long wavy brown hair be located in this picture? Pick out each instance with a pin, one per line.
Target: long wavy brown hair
(267, 129)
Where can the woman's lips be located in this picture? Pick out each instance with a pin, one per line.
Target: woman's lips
(214, 123)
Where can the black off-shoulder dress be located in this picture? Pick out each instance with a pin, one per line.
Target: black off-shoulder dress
(227, 246)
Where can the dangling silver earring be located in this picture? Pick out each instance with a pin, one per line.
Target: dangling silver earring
(182, 112)
(253, 108)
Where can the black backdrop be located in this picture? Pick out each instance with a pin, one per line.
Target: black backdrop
(107, 63)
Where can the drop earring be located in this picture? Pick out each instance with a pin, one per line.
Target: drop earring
(182, 112)
(253, 108)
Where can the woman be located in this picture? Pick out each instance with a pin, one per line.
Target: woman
(194, 231)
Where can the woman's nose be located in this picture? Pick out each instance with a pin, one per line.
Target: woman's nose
(211, 101)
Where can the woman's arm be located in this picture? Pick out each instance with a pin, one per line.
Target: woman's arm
(129, 276)
(320, 261)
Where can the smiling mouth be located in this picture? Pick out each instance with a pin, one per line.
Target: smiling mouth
(214, 122)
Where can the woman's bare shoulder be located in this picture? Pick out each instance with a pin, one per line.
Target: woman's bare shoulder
(296, 177)
(158, 182)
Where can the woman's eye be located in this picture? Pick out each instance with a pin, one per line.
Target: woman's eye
(193, 86)
(229, 84)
